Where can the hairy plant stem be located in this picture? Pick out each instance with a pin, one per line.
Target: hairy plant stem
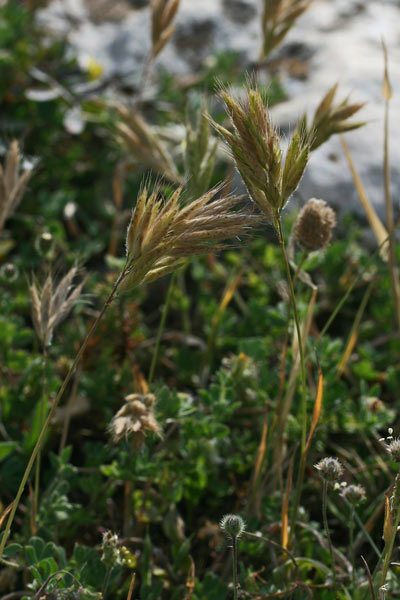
(352, 552)
(161, 327)
(300, 477)
(328, 535)
(43, 410)
(56, 402)
(234, 568)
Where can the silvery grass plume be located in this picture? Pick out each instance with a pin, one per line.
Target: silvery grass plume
(161, 234)
(162, 15)
(255, 146)
(51, 305)
(329, 119)
(278, 18)
(143, 142)
(12, 183)
(200, 152)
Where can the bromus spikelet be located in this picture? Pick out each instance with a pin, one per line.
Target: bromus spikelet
(255, 146)
(135, 419)
(51, 305)
(314, 225)
(278, 18)
(329, 120)
(161, 234)
(144, 144)
(12, 182)
(162, 15)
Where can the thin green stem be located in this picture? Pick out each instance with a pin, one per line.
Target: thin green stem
(352, 552)
(161, 327)
(328, 535)
(43, 410)
(56, 402)
(234, 568)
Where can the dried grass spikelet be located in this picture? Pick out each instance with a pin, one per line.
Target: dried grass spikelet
(314, 225)
(135, 418)
(278, 18)
(200, 152)
(51, 306)
(162, 234)
(329, 119)
(255, 146)
(143, 142)
(162, 15)
(12, 183)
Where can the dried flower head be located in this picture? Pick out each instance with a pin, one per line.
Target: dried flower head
(255, 146)
(162, 14)
(278, 18)
(51, 306)
(135, 418)
(161, 234)
(329, 119)
(393, 448)
(232, 525)
(329, 469)
(354, 494)
(144, 143)
(314, 225)
(12, 183)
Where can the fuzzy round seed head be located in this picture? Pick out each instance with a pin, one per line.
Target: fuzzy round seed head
(354, 494)
(232, 525)
(9, 272)
(393, 449)
(329, 469)
(135, 418)
(314, 225)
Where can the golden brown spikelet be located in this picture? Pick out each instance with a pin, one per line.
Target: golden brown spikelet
(51, 306)
(161, 234)
(162, 15)
(329, 119)
(255, 147)
(314, 225)
(135, 419)
(12, 183)
(144, 144)
(278, 18)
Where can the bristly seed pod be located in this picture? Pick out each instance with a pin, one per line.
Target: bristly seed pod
(393, 448)
(135, 418)
(329, 469)
(314, 225)
(354, 494)
(232, 525)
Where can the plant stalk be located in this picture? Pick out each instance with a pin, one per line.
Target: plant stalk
(234, 568)
(328, 535)
(161, 327)
(56, 402)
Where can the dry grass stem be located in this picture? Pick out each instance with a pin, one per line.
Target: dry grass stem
(278, 18)
(144, 144)
(255, 146)
(12, 183)
(329, 119)
(51, 306)
(161, 234)
(162, 15)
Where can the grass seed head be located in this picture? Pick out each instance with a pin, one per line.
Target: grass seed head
(278, 18)
(13, 182)
(329, 469)
(50, 305)
(162, 234)
(255, 147)
(162, 28)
